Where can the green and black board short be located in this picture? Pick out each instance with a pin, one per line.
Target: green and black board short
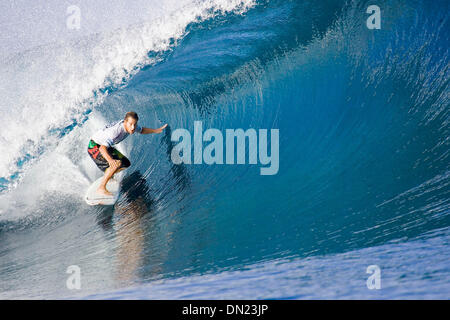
(102, 164)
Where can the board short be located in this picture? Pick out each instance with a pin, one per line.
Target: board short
(100, 161)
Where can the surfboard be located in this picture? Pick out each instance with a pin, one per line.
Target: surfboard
(92, 198)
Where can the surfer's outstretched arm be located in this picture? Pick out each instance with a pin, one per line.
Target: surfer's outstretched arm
(150, 130)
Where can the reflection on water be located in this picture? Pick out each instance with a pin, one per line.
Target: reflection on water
(133, 205)
(143, 242)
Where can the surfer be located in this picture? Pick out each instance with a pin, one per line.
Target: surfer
(109, 159)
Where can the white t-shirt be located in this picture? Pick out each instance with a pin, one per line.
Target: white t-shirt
(112, 134)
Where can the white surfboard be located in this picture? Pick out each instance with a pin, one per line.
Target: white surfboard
(92, 198)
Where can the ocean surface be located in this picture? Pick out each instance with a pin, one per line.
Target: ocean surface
(364, 151)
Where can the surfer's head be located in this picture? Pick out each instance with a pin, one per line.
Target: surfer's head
(130, 122)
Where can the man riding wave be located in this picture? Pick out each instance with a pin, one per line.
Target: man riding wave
(105, 156)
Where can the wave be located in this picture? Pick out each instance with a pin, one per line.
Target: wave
(363, 121)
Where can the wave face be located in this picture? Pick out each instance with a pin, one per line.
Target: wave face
(363, 123)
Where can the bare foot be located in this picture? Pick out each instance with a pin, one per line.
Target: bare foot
(104, 192)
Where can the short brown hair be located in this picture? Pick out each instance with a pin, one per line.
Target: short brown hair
(132, 114)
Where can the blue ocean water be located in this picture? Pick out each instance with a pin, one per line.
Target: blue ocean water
(363, 179)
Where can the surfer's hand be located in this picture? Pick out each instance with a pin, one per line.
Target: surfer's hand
(114, 164)
(159, 130)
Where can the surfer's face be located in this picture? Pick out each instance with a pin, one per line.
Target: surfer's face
(130, 125)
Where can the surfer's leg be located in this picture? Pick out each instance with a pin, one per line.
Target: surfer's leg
(102, 164)
(125, 163)
(108, 174)
(117, 171)
(110, 171)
